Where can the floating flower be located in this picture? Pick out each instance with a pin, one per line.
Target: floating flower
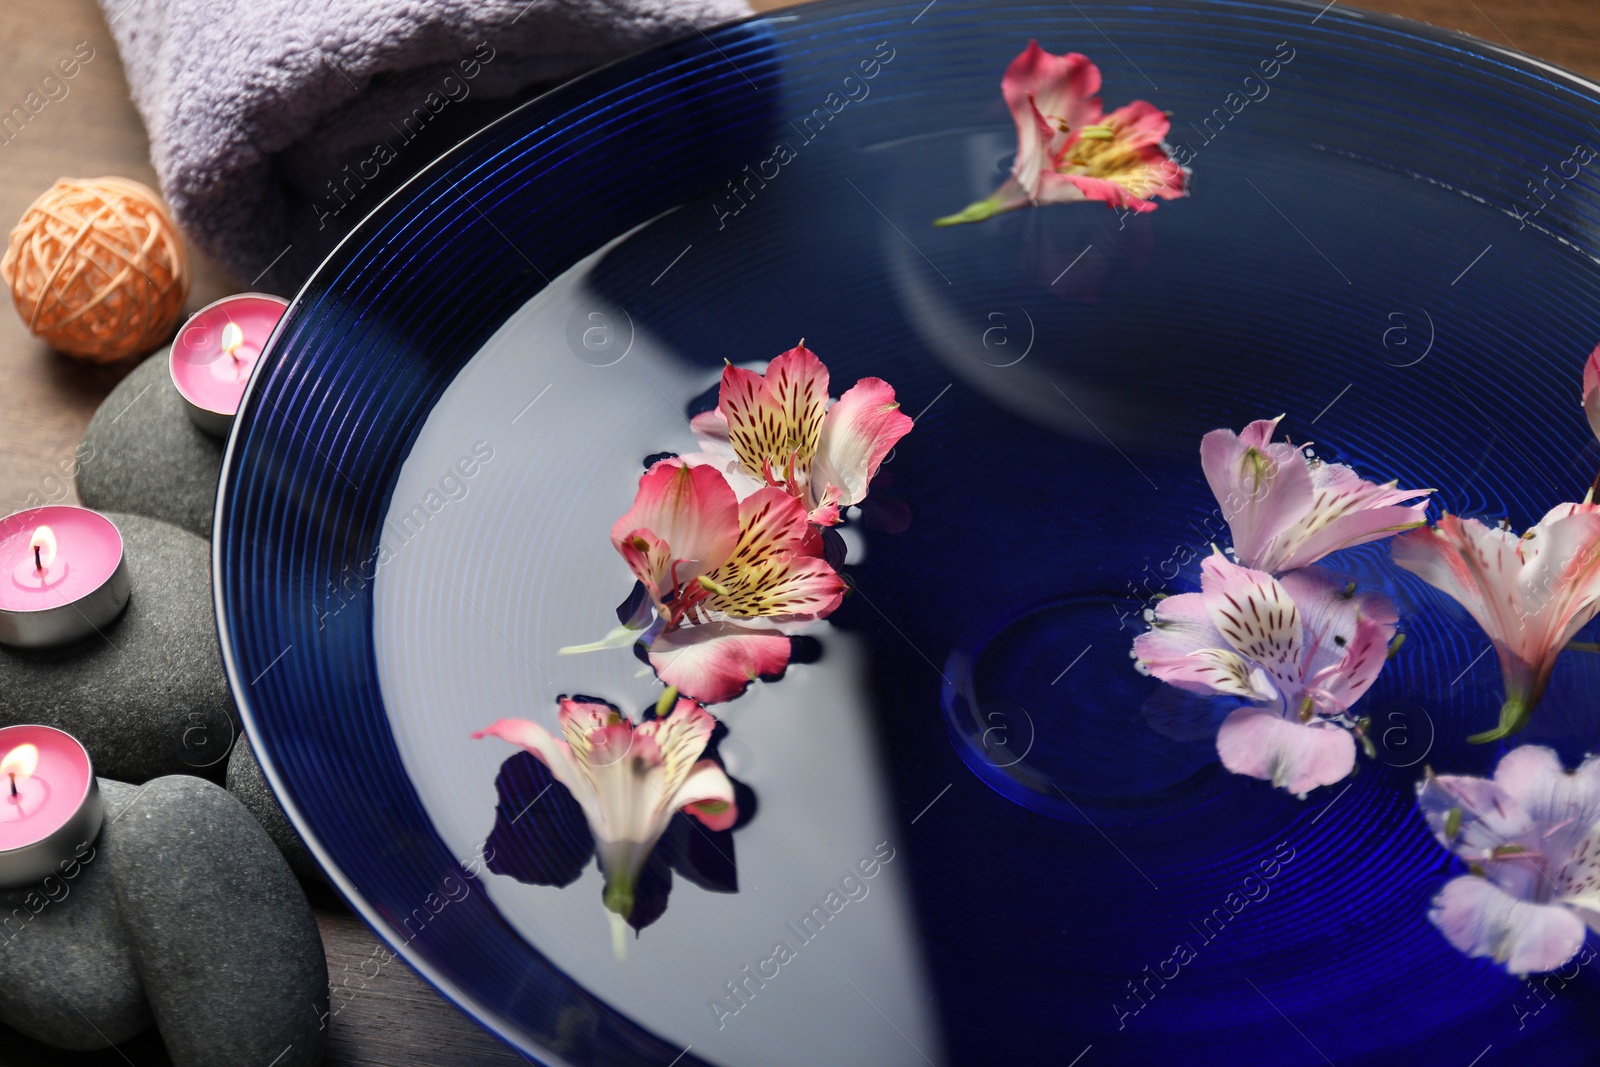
(1532, 838)
(1300, 650)
(629, 780)
(1287, 510)
(1530, 594)
(727, 579)
(777, 429)
(1068, 149)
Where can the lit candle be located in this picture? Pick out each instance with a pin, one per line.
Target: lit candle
(50, 805)
(215, 352)
(62, 576)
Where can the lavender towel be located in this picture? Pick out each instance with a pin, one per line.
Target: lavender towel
(276, 125)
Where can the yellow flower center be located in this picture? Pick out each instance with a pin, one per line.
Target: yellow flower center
(1100, 152)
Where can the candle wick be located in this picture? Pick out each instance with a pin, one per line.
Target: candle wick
(13, 783)
(38, 562)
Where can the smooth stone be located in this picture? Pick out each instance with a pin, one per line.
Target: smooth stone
(227, 947)
(66, 964)
(142, 454)
(149, 696)
(247, 782)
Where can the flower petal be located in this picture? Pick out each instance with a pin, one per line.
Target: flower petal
(1216, 671)
(716, 450)
(1129, 169)
(1347, 634)
(1182, 625)
(650, 560)
(1256, 616)
(680, 737)
(775, 417)
(691, 517)
(1296, 756)
(1329, 610)
(1567, 806)
(1347, 681)
(1139, 124)
(624, 767)
(580, 717)
(1345, 510)
(1184, 648)
(1530, 593)
(1067, 188)
(858, 431)
(1045, 93)
(777, 569)
(711, 428)
(714, 662)
(1473, 817)
(1560, 579)
(1262, 488)
(554, 754)
(1477, 566)
(708, 795)
(1481, 919)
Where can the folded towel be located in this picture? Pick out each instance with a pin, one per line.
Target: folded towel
(276, 125)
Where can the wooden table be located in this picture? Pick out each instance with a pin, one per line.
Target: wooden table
(46, 401)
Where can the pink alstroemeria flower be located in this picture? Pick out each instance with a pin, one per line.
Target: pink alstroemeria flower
(1530, 594)
(1301, 649)
(1069, 149)
(777, 429)
(629, 780)
(727, 579)
(1532, 838)
(1287, 510)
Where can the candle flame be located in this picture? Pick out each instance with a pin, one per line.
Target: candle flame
(20, 761)
(232, 338)
(43, 546)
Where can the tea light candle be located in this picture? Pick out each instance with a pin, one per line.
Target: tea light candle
(49, 803)
(215, 352)
(62, 576)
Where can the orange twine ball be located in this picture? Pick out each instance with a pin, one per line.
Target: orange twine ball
(97, 269)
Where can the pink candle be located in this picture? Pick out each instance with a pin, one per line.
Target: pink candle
(62, 577)
(215, 352)
(49, 803)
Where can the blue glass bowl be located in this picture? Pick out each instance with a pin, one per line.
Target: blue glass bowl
(1390, 238)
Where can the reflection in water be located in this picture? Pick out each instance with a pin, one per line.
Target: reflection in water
(1185, 716)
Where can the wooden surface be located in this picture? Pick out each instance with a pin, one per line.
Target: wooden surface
(46, 400)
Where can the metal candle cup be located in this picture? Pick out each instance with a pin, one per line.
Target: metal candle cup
(50, 805)
(214, 353)
(62, 576)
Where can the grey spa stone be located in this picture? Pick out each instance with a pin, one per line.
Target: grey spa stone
(141, 453)
(230, 957)
(66, 965)
(147, 696)
(249, 784)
